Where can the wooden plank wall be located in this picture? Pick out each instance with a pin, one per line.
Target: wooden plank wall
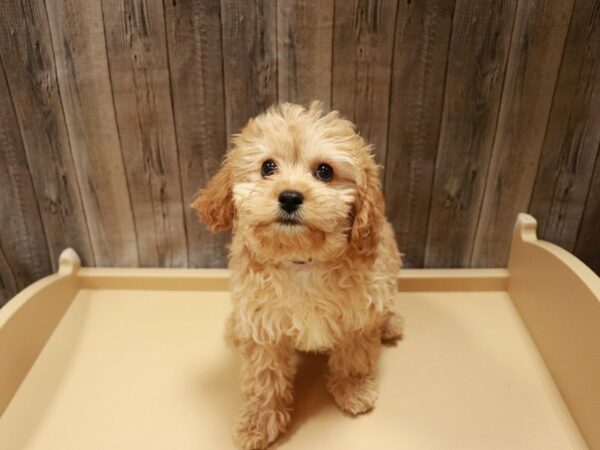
(113, 113)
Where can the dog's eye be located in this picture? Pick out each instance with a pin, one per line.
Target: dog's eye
(268, 168)
(324, 172)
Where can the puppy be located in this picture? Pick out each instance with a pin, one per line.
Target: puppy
(313, 259)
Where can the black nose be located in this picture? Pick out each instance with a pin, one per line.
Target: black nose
(289, 201)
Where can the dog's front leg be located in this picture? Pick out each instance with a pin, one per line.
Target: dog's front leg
(267, 388)
(351, 378)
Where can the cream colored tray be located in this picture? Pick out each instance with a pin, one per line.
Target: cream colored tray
(131, 359)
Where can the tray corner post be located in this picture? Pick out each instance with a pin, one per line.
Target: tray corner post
(525, 228)
(524, 232)
(68, 262)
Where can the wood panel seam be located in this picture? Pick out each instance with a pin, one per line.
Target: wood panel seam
(37, 205)
(114, 107)
(11, 273)
(224, 96)
(175, 133)
(439, 139)
(332, 55)
(596, 170)
(277, 52)
(22, 206)
(493, 141)
(69, 137)
(389, 108)
(562, 57)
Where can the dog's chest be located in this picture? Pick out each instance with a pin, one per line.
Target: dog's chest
(315, 308)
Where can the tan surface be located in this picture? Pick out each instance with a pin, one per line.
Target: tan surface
(138, 361)
(28, 321)
(558, 297)
(133, 369)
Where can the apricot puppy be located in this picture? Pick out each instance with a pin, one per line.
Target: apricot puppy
(313, 258)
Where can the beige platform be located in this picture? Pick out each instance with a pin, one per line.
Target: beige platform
(134, 359)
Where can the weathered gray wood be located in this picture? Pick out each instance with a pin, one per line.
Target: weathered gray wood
(419, 68)
(25, 47)
(84, 80)
(478, 52)
(363, 44)
(25, 251)
(587, 247)
(536, 48)
(114, 113)
(137, 57)
(573, 135)
(304, 47)
(249, 59)
(194, 48)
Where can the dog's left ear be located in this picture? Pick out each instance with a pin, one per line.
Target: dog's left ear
(369, 215)
(214, 203)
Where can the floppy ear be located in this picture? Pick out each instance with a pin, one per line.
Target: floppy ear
(214, 203)
(368, 215)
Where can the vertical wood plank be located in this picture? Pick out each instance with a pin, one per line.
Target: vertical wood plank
(195, 60)
(573, 134)
(587, 247)
(25, 256)
(84, 80)
(420, 58)
(304, 47)
(363, 45)
(533, 64)
(25, 47)
(137, 57)
(249, 59)
(478, 52)
(8, 283)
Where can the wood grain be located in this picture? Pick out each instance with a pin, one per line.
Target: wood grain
(8, 282)
(533, 64)
(249, 59)
(194, 48)
(363, 44)
(25, 256)
(137, 57)
(587, 247)
(477, 59)
(25, 47)
(304, 50)
(417, 90)
(84, 80)
(114, 113)
(573, 135)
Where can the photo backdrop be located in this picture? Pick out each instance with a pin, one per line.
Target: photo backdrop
(114, 112)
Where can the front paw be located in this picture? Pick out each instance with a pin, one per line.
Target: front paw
(256, 426)
(392, 329)
(354, 394)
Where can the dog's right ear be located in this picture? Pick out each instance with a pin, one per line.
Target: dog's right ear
(214, 203)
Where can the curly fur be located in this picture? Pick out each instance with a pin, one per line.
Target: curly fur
(339, 300)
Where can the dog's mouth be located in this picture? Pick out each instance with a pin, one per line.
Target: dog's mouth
(288, 221)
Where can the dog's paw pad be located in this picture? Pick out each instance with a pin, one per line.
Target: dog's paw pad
(355, 395)
(256, 429)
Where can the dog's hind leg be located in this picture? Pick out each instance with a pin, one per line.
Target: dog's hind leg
(231, 331)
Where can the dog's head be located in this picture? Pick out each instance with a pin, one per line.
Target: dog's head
(297, 184)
